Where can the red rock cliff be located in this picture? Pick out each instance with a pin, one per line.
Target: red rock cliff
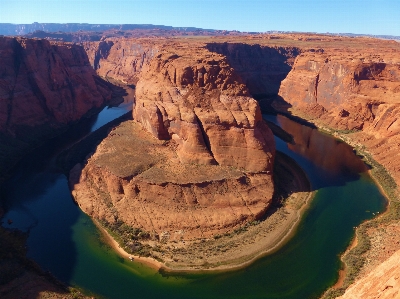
(200, 102)
(43, 87)
(261, 67)
(203, 167)
(354, 91)
(120, 59)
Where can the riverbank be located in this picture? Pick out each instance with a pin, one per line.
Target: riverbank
(374, 240)
(236, 249)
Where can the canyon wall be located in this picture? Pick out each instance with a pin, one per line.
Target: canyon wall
(353, 92)
(120, 59)
(43, 87)
(261, 67)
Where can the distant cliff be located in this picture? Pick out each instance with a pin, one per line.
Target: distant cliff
(21, 29)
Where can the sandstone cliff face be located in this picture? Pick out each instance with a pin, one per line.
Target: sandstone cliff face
(120, 59)
(382, 282)
(203, 163)
(43, 87)
(202, 104)
(43, 83)
(262, 68)
(357, 92)
(348, 91)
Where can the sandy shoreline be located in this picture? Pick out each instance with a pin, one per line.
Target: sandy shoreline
(236, 250)
(150, 262)
(343, 272)
(278, 241)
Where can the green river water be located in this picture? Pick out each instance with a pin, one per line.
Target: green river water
(65, 241)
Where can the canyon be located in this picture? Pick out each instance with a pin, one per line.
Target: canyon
(197, 160)
(346, 86)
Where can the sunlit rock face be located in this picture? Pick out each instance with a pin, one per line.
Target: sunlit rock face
(210, 158)
(355, 91)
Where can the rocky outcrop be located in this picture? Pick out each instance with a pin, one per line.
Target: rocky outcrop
(383, 282)
(201, 103)
(43, 87)
(357, 93)
(138, 179)
(203, 164)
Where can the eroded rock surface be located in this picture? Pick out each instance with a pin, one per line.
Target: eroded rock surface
(382, 282)
(120, 59)
(44, 83)
(211, 168)
(201, 103)
(354, 92)
(138, 179)
(43, 87)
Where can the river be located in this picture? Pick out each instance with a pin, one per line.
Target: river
(65, 241)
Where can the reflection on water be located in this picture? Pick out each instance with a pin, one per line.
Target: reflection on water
(65, 241)
(330, 161)
(331, 154)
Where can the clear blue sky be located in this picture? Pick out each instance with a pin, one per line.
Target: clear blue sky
(356, 16)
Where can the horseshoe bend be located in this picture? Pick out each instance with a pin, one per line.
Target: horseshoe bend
(192, 180)
(196, 162)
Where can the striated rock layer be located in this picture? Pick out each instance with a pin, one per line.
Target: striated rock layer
(201, 103)
(120, 59)
(43, 87)
(356, 92)
(383, 282)
(215, 164)
(138, 179)
(44, 83)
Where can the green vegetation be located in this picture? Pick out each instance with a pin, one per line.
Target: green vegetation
(129, 237)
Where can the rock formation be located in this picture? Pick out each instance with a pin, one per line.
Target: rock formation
(212, 173)
(194, 95)
(354, 92)
(120, 59)
(201, 103)
(262, 67)
(43, 87)
(383, 282)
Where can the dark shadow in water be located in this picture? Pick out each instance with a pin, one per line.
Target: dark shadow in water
(326, 160)
(37, 199)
